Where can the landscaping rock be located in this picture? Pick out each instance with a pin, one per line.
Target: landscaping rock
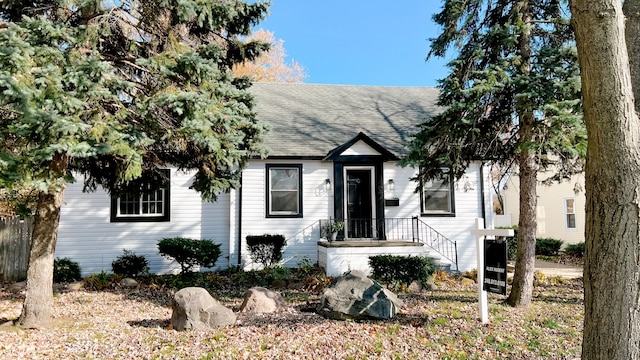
(416, 286)
(355, 296)
(129, 283)
(296, 285)
(76, 286)
(17, 287)
(261, 300)
(194, 308)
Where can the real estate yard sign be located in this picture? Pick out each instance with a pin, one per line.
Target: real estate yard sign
(480, 232)
(495, 266)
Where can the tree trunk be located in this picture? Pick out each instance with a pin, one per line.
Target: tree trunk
(36, 310)
(612, 182)
(522, 287)
(631, 10)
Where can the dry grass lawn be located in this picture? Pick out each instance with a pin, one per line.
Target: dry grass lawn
(440, 323)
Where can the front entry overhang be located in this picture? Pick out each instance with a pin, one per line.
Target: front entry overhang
(358, 178)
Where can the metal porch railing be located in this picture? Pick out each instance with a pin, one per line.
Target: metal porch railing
(405, 229)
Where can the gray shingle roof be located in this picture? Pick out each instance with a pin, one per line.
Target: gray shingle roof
(309, 120)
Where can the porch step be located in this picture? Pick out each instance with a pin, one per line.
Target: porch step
(438, 261)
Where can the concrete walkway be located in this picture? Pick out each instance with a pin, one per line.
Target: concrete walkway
(554, 269)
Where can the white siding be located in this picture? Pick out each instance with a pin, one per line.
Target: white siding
(302, 233)
(87, 236)
(468, 207)
(215, 223)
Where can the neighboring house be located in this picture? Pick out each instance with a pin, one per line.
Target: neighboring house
(560, 210)
(333, 155)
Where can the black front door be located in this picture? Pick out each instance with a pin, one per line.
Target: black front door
(359, 205)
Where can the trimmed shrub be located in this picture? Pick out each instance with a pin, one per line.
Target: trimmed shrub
(190, 252)
(575, 249)
(548, 246)
(266, 249)
(66, 270)
(129, 264)
(391, 269)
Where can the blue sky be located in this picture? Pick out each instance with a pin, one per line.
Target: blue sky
(359, 42)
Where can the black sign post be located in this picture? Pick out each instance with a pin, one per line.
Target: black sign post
(495, 266)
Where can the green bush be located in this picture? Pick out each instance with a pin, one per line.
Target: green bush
(266, 249)
(190, 252)
(575, 249)
(66, 270)
(548, 246)
(130, 264)
(401, 269)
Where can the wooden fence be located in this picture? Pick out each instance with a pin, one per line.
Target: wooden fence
(15, 241)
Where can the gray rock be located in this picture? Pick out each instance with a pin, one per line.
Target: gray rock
(261, 300)
(76, 286)
(17, 287)
(355, 296)
(194, 308)
(296, 286)
(416, 286)
(129, 283)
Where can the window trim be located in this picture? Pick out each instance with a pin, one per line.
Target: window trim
(452, 201)
(267, 183)
(166, 206)
(566, 213)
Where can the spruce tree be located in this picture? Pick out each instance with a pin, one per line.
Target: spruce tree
(512, 97)
(115, 90)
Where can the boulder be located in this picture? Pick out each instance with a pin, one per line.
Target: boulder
(17, 287)
(129, 283)
(261, 300)
(76, 285)
(194, 308)
(416, 286)
(355, 296)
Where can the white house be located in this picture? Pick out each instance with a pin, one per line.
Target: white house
(334, 154)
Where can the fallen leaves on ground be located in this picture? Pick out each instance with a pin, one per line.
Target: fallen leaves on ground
(434, 324)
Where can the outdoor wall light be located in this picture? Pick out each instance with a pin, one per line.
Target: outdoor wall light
(391, 186)
(327, 184)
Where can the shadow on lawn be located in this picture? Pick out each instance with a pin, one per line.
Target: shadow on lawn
(452, 297)
(151, 323)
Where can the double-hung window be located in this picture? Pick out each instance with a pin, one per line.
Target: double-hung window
(284, 190)
(436, 197)
(147, 200)
(570, 212)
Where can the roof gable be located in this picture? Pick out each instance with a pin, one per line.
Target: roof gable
(361, 148)
(361, 145)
